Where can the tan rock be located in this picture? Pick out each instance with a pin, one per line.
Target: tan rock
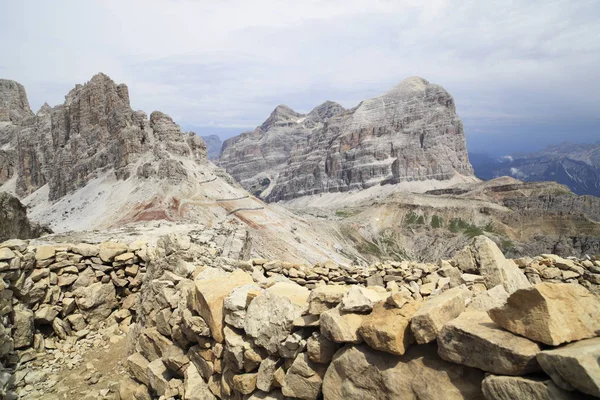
(359, 373)
(474, 340)
(551, 313)
(44, 252)
(137, 365)
(210, 294)
(244, 383)
(86, 250)
(325, 298)
(6, 254)
(341, 327)
(109, 250)
(574, 366)
(96, 301)
(303, 379)
(175, 360)
(492, 298)
(295, 293)
(517, 387)
(194, 386)
(360, 299)
(320, 349)
(158, 376)
(387, 328)
(435, 312)
(129, 389)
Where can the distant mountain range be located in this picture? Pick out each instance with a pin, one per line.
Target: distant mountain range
(574, 165)
(213, 146)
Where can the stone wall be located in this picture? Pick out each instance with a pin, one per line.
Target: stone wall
(463, 329)
(52, 297)
(202, 326)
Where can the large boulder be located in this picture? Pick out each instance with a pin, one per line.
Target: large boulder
(550, 313)
(303, 379)
(485, 258)
(96, 301)
(269, 319)
(359, 372)
(210, 295)
(325, 297)
(437, 310)
(387, 328)
(360, 299)
(236, 303)
(531, 388)
(341, 327)
(474, 340)
(574, 366)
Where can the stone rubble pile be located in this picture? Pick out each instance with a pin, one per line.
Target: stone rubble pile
(482, 328)
(53, 301)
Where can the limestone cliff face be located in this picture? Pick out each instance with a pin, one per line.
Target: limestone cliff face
(410, 133)
(93, 131)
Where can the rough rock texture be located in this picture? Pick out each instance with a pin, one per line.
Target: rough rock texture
(430, 318)
(14, 105)
(574, 366)
(358, 372)
(474, 340)
(550, 313)
(517, 387)
(14, 223)
(410, 133)
(95, 128)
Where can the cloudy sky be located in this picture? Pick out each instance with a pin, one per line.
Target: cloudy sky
(524, 74)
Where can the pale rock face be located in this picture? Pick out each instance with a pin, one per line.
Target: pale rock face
(325, 298)
(341, 327)
(550, 313)
(304, 379)
(491, 298)
(195, 388)
(235, 305)
(574, 366)
(474, 340)
(358, 373)
(269, 319)
(210, 296)
(436, 311)
(517, 387)
(410, 133)
(97, 300)
(360, 299)
(95, 128)
(387, 328)
(485, 258)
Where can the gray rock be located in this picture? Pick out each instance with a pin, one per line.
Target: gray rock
(574, 366)
(530, 388)
(418, 137)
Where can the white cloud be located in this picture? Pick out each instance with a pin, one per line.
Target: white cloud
(229, 62)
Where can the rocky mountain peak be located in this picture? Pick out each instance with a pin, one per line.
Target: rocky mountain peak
(93, 132)
(282, 115)
(325, 111)
(14, 105)
(409, 134)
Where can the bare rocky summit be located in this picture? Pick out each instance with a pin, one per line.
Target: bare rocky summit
(410, 133)
(94, 129)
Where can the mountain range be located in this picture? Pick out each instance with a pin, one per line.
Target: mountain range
(387, 179)
(574, 165)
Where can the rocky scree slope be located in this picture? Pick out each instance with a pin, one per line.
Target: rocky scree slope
(479, 326)
(409, 134)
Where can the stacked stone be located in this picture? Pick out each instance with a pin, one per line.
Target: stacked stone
(62, 292)
(251, 333)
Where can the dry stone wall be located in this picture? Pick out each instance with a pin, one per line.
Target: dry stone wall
(53, 300)
(202, 326)
(261, 329)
